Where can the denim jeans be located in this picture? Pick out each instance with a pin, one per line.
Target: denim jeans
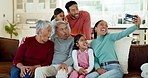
(15, 73)
(113, 71)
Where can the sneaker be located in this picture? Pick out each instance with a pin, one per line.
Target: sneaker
(144, 67)
(144, 74)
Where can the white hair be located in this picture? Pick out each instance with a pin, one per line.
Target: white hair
(42, 24)
(59, 23)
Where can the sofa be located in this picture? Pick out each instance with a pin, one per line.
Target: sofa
(137, 56)
(8, 49)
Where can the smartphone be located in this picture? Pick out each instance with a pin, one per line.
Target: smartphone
(128, 18)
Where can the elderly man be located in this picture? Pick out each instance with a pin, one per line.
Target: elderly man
(62, 60)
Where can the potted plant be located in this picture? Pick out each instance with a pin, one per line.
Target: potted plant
(11, 29)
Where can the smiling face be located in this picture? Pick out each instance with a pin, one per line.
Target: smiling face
(82, 43)
(60, 16)
(45, 34)
(74, 11)
(102, 28)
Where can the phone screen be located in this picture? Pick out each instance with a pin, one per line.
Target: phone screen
(128, 18)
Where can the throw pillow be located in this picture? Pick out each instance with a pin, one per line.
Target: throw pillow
(144, 67)
(122, 47)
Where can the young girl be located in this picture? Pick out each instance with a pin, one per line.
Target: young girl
(58, 16)
(106, 61)
(82, 56)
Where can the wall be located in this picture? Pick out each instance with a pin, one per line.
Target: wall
(147, 36)
(137, 34)
(39, 16)
(6, 7)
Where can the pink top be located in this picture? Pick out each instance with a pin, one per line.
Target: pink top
(80, 25)
(83, 59)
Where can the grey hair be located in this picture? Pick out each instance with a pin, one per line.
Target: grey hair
(59, 23)
(42, 24)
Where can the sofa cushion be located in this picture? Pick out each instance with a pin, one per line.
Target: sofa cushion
(122, 48)
(5, 68)
(8, 49)
(133, 74)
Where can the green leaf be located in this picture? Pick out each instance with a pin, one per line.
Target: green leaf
(8, 29)
(12, 25)
(15, 33)
(11, 29)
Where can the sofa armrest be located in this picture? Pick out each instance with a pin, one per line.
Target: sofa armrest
(8, 49)
(137, 56)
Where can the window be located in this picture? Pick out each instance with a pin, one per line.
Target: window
(109, 10)
(41, 4)
(123, 5)
(19, 4)
(34, 5)
(30, 5)
(52, 4)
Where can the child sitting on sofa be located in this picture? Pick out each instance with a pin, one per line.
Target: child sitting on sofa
(82, 56)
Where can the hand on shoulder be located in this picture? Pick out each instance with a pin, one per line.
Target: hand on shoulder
(22, 40)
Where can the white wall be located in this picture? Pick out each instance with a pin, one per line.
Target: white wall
(6, 7)
(140, 38)
(147, 36)
(1, 16)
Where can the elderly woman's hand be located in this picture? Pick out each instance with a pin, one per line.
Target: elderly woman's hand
(23, 71)
(31, 70)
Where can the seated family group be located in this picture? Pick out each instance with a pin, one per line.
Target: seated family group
(60, 48)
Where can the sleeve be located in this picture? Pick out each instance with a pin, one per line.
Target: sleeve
(49, 56)
(69, 29)
(117, 36)
(96, 63)
(20, 54)
(87, 26)
(69, 61)
(75, 60)
(91, 60)
(52, 25)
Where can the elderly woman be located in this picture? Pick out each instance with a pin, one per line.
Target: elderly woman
(36, 51)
